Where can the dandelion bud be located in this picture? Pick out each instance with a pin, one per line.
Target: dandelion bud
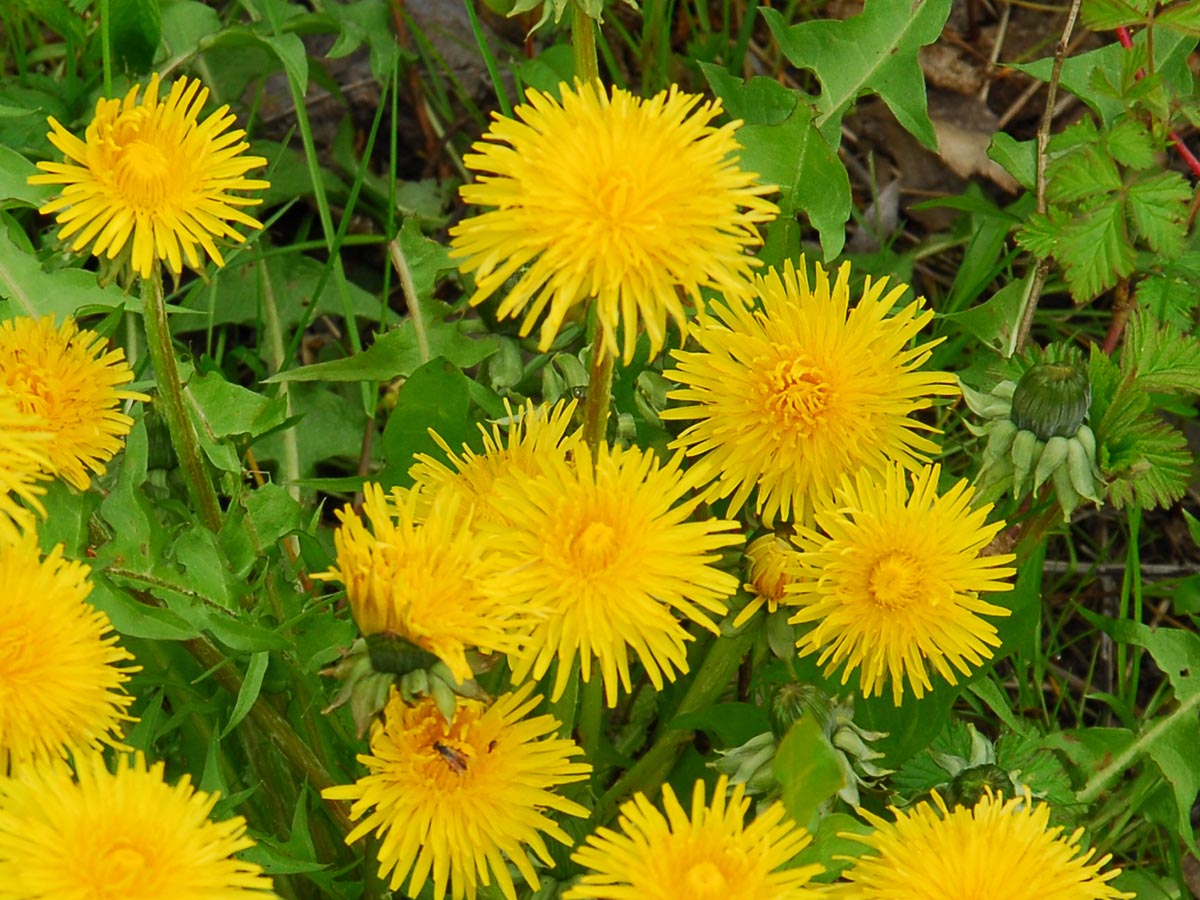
(1052, 400)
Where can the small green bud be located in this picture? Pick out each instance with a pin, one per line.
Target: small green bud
(967, 788)
(793, 701)
(396, 655)
(1052, 400)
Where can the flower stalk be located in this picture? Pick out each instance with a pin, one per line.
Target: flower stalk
(170, 391)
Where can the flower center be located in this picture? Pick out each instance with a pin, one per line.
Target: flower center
(795, 394)
(143, 174)
(895, 581)
(705, 879)
(122, 870)
(594, 547)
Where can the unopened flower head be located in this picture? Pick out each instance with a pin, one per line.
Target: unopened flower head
(424, 579)
(999, 849)
(890, 581)
(67, 383)
(711, 854)
(608, 556)
(149, 174)
(788, 398)
(768, 558)
(61, 673)
(632, 204)
(463, 798)
(125, 834)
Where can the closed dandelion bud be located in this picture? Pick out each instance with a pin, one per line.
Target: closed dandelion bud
(396, 655)
(1054, 454)
(1052, 400)
(751, 764)
(969, 787)
(793, 701)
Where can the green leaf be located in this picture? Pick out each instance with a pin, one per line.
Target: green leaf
(1105, 15)
(1168, 298)
(1183, 18)
(1151, 463)
(134, 31)
(1169, 740)
(1081, 174)
(732, 723)
(807, 768)
(397, 354)
(1170, 60)
(434, 397)
(782, 144)
(1158, 208)
(248, 693)
(1160, 358)
(1095, 250)
(1131, 144)
(230, 410)
(1019, 158)
(873, 52)
(32, 291)
(15, 188)
(135, 619)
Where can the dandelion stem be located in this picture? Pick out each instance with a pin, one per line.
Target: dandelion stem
(170, 392)
(711, 679)
(599, 395)
(583, 42)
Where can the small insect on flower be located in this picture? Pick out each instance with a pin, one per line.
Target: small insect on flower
(455, 760)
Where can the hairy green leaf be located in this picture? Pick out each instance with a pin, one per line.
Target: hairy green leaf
(875, 52)
(1081, 174)
(1105, 15)
(1095, 250)
(1158, 208)
(1160, 357)
(1131, 144)
(1182, 17)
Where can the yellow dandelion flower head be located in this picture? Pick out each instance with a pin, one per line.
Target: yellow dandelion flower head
(533, 433)
(606, 553)
(23, 462)
(892, 578)
(999, 849)
(768, 559)
(149, 169)
(628, 202)
(790, 397)
(459, 798)
(67, 383)
(123, 834)
(711, 855)
(60, 673)
(424, 579)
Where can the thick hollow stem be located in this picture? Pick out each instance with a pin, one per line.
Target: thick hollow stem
(170, 393)
(599, 396)
(583, 42)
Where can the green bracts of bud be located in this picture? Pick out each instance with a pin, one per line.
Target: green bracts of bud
(1052, 400)
(396, 655)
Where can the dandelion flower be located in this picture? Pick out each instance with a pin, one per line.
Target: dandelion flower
(149, 170)
(713, 855)
(23, 461)
(460, 798)
(768, 558)
(126, 834)
(68, 384)
(999, 849)
(424, 580)
(631, 203)
(60, 673)
(607, 555)
(790, 398)
(892, 581)
(533, 433)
